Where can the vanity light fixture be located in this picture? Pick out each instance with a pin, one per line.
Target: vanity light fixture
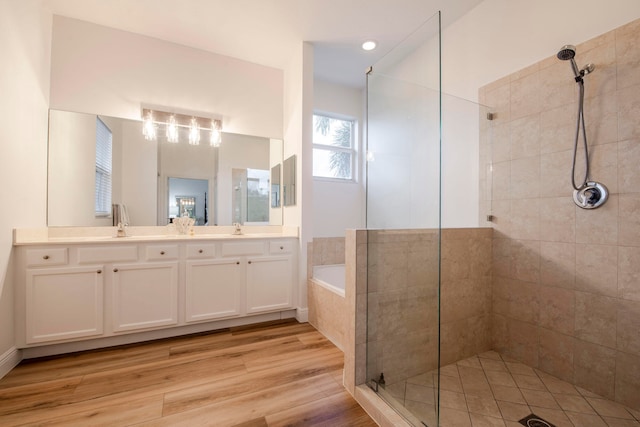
(172, 122)
(194, 132)
(369, 45)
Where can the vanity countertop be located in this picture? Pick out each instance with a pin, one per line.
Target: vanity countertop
(108, 235)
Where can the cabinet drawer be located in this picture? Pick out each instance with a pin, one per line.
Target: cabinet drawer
(245, 248)
(280, 247)
(106, 254)
(161, 252)
(44, 257)
(201, 251)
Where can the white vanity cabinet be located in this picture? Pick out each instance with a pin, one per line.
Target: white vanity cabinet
(51, 315)
(144, 296)
(213, 289)
(94, 290)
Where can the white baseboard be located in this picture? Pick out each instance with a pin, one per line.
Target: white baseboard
(9, 360)
(302, 315)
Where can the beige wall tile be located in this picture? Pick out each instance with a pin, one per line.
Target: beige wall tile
(501, 181)
(500, 142)
(629, 273)
(525, 219)
(555, 354)
(595, 368)
(627, 55)
(600, 225)
(629, 219)
(628, 161)
(601, 115)
(629, 326)
(627, 387)
(525, 96)
(557, 87)
(557, 264)
(557, 128)
(555, 174)
(628, 111)
(557, 309)
(596, 319)
(525, 137)
(558, 219)
(525, 178)
(525, 260)
(597, 269)
(603, 165)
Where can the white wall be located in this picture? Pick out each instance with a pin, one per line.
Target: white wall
(338, 206)
(100, 70)
(499, 37)
(298, 117)
(24, 84)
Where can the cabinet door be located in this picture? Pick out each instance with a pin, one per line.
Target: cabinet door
(213, 289)
(269, 284)
(145, 295)
(64, 303)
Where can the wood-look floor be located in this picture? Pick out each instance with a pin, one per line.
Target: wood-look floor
(276, 374)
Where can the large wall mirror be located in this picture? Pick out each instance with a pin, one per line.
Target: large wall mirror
(149, 183)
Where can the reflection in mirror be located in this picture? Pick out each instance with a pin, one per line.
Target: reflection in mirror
(289, 181)
(275, 186)
(141, 170)
(188, 197)
(250, 196)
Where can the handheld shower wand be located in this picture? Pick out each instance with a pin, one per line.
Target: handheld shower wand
(589, 194)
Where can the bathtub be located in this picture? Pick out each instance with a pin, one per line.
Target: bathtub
(327, 303)
(330, 277)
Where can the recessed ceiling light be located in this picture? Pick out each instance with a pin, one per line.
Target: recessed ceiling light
(369, 45)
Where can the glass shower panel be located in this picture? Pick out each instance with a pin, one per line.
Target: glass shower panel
(403, 223)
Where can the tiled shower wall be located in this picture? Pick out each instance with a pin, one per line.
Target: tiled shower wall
(403, 299)
(566, 281)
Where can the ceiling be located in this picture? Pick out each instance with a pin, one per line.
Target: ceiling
(268, 32)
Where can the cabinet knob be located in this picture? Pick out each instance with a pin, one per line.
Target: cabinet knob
(115, 270)
(281, 247)
(161, 252)
(249, 262)
(45, 257)
(237, 262)
(200, 251)
(99, 271)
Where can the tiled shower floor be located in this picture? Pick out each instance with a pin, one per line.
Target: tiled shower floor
(494, 390)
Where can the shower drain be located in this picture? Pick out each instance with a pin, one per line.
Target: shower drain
(535, 421)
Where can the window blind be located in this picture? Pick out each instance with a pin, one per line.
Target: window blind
(104, 142)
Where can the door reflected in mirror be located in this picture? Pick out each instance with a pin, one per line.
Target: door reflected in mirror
(188, 197)
(275, 186)
(289, 181)
(250, 198)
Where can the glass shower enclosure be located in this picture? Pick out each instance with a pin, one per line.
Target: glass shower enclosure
(403, 225)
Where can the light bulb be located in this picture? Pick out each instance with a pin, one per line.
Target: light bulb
(369, 45)
(216, 137)
(172, 129)
(194, 132)
(148, 128)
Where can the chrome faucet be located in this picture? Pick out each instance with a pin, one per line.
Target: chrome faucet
(238, 230)
(122, 231)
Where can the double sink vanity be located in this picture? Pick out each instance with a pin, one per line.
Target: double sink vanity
(80, 288)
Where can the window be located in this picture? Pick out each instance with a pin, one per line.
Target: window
(333, 148)
(104, 142)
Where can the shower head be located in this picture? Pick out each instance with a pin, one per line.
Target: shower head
(567, 52)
